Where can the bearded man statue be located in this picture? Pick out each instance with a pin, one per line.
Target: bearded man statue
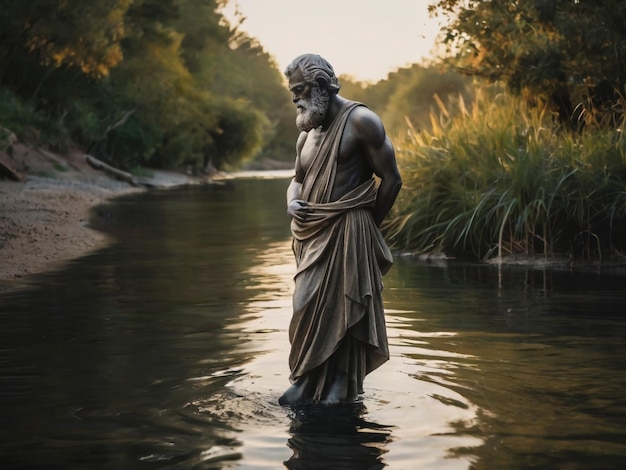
(337, 331)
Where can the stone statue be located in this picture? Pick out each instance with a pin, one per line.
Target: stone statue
(337, 331)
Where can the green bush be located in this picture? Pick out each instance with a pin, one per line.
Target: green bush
(31, 125)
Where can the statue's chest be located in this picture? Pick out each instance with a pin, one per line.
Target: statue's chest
(312, 145)
(311, 148)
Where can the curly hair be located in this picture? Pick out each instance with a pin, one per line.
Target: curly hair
(313, 68)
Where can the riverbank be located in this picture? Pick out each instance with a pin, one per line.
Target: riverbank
(44, 218)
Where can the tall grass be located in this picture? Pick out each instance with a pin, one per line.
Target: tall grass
(499, 178)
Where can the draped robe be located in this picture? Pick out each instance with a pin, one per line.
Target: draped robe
(338, 324)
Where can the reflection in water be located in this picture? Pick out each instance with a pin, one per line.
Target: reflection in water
(541, 358)
(337, 437)
(168, 350)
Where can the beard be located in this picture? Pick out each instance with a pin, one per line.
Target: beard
(313, 110)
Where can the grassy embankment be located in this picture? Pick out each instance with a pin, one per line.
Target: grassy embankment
(500, 179)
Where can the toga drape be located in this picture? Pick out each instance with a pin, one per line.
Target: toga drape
(338, 324)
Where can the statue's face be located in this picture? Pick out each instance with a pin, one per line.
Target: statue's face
(310, 100)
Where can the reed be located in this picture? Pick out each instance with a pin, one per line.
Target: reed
(499, 178)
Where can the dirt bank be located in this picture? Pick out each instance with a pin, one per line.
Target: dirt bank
(44, 218)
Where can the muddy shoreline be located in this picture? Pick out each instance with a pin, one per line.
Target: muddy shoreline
(44, 219)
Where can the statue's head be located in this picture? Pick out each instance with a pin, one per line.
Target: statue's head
(311, 80)
(314, 68)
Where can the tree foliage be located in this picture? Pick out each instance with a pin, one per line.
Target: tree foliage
(158, 82)
(570, 54)
(69, 33)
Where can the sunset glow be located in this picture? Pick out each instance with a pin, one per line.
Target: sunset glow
(365, 39)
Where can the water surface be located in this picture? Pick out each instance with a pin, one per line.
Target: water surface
(168, 350)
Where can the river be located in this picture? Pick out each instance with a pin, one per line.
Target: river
(168, 350)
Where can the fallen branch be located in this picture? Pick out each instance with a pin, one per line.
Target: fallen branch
(108, 169)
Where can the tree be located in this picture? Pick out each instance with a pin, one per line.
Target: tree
(222, 57)
(53, 57)
(71, 33)
(569, 54)
(139, 82)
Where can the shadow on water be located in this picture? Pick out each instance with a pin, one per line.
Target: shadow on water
(168, 350)
(338, 437)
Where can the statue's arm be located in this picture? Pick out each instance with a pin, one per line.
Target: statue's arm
(293, 191)
(382, 158)
(296, 207)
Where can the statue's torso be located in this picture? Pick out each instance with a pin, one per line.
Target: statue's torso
(353, 167)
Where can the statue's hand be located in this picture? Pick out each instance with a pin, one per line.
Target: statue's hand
(298, 209)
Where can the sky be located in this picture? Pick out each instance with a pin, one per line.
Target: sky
(366, 39)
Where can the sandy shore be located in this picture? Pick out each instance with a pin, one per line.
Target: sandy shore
(44, 219)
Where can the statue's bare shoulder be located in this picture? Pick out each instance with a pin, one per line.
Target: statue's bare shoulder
(367, 138)
(367, 127)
